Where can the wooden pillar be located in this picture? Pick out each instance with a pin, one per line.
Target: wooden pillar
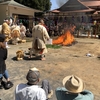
(88, 33)
(95, 31)
(78, 33)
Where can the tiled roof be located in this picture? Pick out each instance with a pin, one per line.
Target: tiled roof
(74, 5)
(12, 2)
(92, 3)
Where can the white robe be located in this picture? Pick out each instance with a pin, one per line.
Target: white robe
(0, 28)
(40, 33)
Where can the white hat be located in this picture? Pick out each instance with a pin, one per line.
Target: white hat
(73, 84)
(34, 69)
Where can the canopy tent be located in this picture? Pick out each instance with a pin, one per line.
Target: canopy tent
(74, 6)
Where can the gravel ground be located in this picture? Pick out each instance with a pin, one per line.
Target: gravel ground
(59, 63)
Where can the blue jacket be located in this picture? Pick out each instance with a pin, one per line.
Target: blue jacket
(62, 94)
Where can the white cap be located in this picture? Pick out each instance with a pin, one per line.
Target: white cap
(34, 69)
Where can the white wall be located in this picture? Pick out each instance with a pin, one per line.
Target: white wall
(3, 12)
(6, 10)
(20, 10)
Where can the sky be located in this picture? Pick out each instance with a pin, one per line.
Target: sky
(54, 4)
(57, 3)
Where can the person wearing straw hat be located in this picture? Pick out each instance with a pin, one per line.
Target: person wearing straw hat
(74, 89)
(31, 90)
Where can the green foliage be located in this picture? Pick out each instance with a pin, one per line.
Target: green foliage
(43, 5)
(53, 46)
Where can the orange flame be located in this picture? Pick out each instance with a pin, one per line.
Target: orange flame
(64, 39)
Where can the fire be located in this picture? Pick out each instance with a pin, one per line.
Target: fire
(67, 38)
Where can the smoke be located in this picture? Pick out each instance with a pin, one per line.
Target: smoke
(61, 2)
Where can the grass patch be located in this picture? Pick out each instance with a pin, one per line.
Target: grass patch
(29, 39)
(53, 46)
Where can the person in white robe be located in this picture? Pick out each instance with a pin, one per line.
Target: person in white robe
(40, 36)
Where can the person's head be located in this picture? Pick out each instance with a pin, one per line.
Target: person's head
(33, 76)
(8, 20)
(2, 39)
(41, 21)
(72, 27)
(73, 84)
(20, 23)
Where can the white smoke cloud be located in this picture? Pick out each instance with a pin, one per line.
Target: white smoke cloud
(61, 2)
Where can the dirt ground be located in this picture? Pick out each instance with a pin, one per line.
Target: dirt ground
(59, 63)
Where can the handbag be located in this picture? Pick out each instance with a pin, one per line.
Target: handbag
(7, 85)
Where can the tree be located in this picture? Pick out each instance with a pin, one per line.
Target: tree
(43, 5)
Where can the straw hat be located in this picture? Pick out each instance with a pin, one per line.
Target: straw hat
(73, 84)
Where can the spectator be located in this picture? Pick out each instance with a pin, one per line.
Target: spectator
(22, 31)
(6, 30)
(40, 35)
(31, 90)
(3, 71)
(46, 86)
(73, 90)
(28, 34)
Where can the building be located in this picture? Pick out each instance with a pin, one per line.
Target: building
(19, 12)
(78, 10)
(93, 4)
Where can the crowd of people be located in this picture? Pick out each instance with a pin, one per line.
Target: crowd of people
(14, 33)
(74, 88)
(55, 27)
